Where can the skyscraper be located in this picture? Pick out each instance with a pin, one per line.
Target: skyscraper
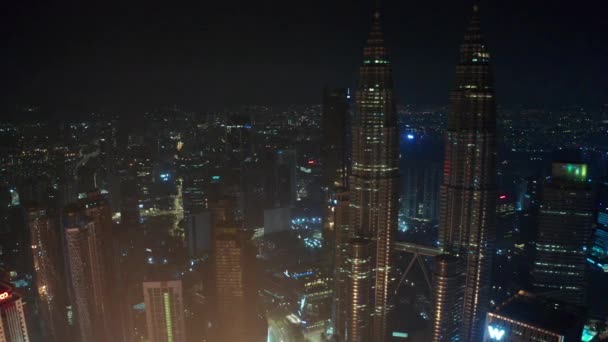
(164, 311)
(280, 184)
(13, 327)
(334, 125)
(45, 246)
(234, 286)
(375, 174)
(468, 193)
(87, 234)
(82, 270)
(565, 227)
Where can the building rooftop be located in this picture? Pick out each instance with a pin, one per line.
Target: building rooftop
(539, 312)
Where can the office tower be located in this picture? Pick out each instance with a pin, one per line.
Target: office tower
(420, 199)
(198, 233)
(45, 243)
(526, 317)
(342, 236)
(360, 282)
(335, 161)
(87, 231)
(164, 311)
(565, 227)
(13, 327)
(280, 185)
(335, 125)
(375, 171)
(194, 197)
(468, 193)
(129, 205)
(234, 289)
(138, 166)
(448, 276)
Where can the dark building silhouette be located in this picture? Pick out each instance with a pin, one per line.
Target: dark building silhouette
(280, 172)
(565, 229)
(374, 192)
(335, 149)
(234, 290)
(468, 193)
(420, 199)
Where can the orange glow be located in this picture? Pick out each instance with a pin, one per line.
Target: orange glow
(4, 295)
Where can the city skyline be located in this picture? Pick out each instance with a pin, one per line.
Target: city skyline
(365, 218)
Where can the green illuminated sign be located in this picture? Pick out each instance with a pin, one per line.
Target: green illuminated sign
(575, 172)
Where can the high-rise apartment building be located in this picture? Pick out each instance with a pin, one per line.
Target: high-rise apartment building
(87, 234)
(565, 227)
(45, 243)
(164, 303)
(13, 327)
(374, 180)
(233, 287)
(468, 194)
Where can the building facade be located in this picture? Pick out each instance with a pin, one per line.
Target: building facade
(525, 317)
(88, 248)
(468, 194)
(448, 275)
(359, 280)
(341, 238)
(45, 246)
(565, 228)
(13, 327)
(373, 185)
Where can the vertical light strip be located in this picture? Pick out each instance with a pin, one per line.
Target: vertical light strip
(168, 322)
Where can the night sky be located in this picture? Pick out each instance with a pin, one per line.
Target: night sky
(132, 55)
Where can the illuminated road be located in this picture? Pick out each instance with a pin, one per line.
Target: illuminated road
(281, 330)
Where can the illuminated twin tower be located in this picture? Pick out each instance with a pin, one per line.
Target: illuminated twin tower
(368, 212)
